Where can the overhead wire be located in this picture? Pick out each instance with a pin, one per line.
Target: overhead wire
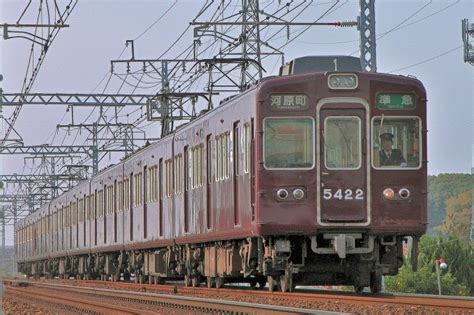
(157, 20)
(427, 60)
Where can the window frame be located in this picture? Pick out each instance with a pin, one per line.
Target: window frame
(360, 144)
(313, 135)
(395, 168)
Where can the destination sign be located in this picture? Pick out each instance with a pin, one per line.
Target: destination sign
(396, 101)
(293, 101)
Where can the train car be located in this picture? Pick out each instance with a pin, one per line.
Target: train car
(77, 240)
(313, 177)
(325, 171)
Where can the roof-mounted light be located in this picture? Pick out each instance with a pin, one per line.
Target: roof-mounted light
(343, 81)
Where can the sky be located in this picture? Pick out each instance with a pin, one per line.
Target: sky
(417, 38)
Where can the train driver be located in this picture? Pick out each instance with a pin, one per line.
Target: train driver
(388, 155)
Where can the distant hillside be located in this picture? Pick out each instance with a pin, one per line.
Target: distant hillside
(7, 261)
(440, 189)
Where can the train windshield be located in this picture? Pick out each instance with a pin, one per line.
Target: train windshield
(342, 145)
(288, 143)
(396, 142)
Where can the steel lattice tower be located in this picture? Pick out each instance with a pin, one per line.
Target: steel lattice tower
(368, 55)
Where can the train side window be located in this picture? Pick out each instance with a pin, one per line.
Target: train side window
(209, 159)
(118, 196)
(80, 206)
(113, 193)
(200, 165)
(164, 179)
(246, 147)
(106, 200)
(151, 184)
(110, 199)
(168, 182)
(195, 167)
(396, 142)
(100, 203)
(73, 213)
(126, 194)
(154, 180)
(139, 194)
(226, 157)
(288, 143)
(178, 173)
(88, 214)
(136, 189)
(218, 150)
(342, 142)
(187, 168)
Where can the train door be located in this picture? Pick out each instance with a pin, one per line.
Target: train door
(132, 201)
(145, 200)
(343, 164)
(236, 171)
(160, 195)
(188, 161)
(115, 194)
(95, 217)
(208, 181)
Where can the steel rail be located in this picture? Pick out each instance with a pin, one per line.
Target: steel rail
(445, 303)
(193, 304)
(81, 305)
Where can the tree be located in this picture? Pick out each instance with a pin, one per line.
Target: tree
(440, 188)
(458, 279)
(458, 215)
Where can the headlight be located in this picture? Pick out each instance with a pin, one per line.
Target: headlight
(298, 193)
(282, 194)
(404, 193)
(388, 193)
(343, 81)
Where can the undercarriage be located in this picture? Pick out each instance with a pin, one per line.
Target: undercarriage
(281, 262)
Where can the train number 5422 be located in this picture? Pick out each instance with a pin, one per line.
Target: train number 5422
(343, 194)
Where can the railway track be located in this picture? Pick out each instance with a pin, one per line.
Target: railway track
(91, 300)
(309, 299)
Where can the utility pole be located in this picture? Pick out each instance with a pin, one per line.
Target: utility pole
(467, 36)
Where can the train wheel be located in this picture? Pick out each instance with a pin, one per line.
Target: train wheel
(210, 282)
(272, 283)
(187, 281)
(359, 288)
(253, 282)
(286, 281)
(126, 277)
(219, 282)
(375, 282)
(160, 280)
(195, 281)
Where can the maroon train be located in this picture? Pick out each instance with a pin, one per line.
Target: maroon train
(313, 178)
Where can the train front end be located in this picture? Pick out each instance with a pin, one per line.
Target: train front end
(340, 175)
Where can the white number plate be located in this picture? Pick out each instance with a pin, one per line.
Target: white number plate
(343, 194)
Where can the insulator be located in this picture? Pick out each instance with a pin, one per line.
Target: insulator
(347, 24)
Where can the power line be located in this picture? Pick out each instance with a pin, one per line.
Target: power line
(427, 60)
(156, 21)
(393, 29)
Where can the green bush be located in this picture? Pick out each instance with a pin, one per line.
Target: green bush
(457, 279)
